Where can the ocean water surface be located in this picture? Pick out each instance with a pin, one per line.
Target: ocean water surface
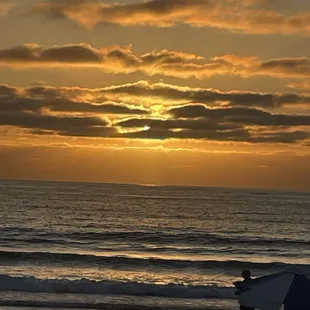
(103, 246)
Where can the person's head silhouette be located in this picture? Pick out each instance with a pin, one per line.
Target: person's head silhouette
(246, 274)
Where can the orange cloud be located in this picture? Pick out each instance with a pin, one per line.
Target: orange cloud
(5, 8)
(301, 85)
(117, 59)
(163, 13)
(168, 94)
(249, 16)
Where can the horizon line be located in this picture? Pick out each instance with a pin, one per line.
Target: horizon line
(156, 185)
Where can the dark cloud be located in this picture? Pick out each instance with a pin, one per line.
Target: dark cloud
(236, 135)
(220, 124)
(33, 53)
(296, 67)
(33, 109)
(35, 99)
(62, 125)
(208, 96)
(245, 116)
(163, 134)
(162, 129)
(198, 124)
(71, 54)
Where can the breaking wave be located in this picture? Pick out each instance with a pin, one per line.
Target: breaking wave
(87, 286)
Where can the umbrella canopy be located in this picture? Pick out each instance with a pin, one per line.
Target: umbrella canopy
(270, 292)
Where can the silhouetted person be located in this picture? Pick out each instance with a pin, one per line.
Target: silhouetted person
(242, 286)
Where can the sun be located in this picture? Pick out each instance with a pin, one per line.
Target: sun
(146, 128)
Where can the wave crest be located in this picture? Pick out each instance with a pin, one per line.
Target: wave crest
(123, 262)
(87, 286)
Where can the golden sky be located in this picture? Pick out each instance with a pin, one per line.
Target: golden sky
(184, 92)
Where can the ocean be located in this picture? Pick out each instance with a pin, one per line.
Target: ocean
(107, 246)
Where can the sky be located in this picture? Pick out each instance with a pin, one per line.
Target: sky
(166, 92)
